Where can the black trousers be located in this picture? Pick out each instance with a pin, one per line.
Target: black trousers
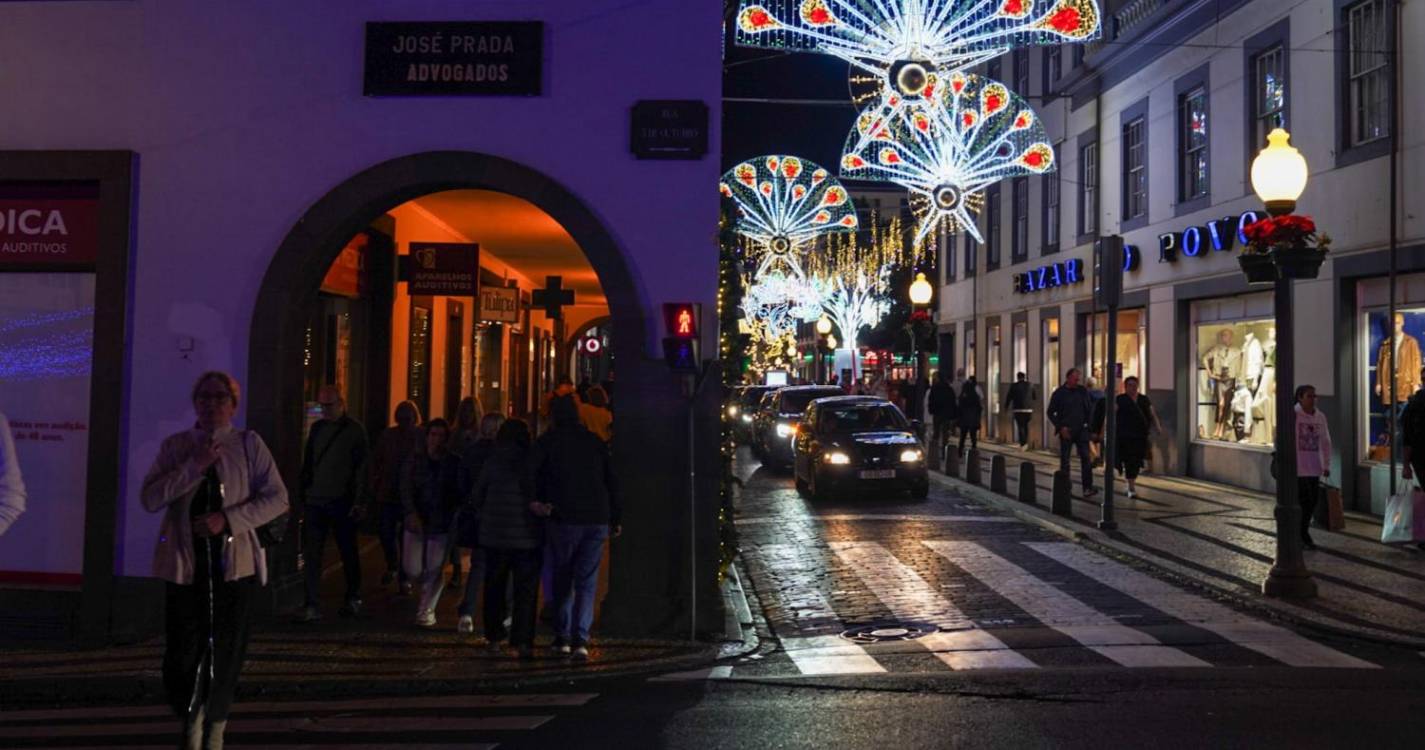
(943, 426)
(186, 617)
(973, 434)
(1080, 442)
(1021, 427)
(330, 518)
(523, 566)
(1308, 489)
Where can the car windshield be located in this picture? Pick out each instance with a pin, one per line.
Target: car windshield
(861, 418)
(795, 402)
(752, 396)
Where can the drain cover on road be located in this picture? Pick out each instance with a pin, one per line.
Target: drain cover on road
(888, 631)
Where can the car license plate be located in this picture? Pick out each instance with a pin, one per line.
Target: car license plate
(878, 474)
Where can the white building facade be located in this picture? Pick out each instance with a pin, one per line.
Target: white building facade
(1154, 127)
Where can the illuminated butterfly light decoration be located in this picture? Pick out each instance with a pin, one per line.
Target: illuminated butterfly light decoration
(775, 303)
(972, 135)
(782, 204)
(902, 48)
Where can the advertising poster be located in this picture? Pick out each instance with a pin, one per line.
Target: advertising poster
(46, 347)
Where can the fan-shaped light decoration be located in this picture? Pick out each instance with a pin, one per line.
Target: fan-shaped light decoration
(974, 133)
(904, 47)
(783, 203)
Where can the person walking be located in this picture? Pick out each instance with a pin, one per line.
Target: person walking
(467, 526)
(1134, 421)
(397, 444)
(1070, 411)
(464, 433)
(12, 486)
(1019, 401)
(512, 538)
(333, 488)
(1412, 438)
(941, 403)
(430, 493)
(1313, 457)
(594, 413)
(574, 478)
(216, 486)
(968, 411)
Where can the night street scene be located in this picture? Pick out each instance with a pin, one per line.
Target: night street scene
(712, 374)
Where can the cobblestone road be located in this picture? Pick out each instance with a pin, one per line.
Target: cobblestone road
(875, 584)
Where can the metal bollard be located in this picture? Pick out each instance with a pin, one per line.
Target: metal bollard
(1063, 503)
(1028, 488)
(999, 483)
(952, 461)
(972, 466)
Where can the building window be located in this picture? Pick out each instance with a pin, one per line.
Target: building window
(1021, 71)
(1268, 94)
(1051, 213)
(972, 249)
(992, 69)
(1019, 241)
(992, 233)
(946, 241)
(1078, 55)
(1053, 65)
(1368, 81)
(1135, 171)
(1192, 145)
(1088, 189)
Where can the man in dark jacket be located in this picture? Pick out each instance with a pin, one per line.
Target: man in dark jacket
(1070, 411)
(333, 493)
(1412, 432)
(1018, 401)
(942, 409)
(574, 476)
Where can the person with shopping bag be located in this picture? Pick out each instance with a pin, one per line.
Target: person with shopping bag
(1313, 457)
(1405, 512)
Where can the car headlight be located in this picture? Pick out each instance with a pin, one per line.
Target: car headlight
(837, 458)
(785, 430)
(747, 418)
(910, 456)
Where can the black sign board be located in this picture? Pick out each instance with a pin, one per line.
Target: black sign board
(676, 129)
(443, 268)
(454, 58)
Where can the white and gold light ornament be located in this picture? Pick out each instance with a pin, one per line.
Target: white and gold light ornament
(777, 302)
(974, 133)
(900, 49)
(781, 204)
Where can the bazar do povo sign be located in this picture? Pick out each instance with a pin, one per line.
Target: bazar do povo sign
(454, 58)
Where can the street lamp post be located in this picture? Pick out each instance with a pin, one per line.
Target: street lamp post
(1279, 175)
(920, 294)
(823, 330)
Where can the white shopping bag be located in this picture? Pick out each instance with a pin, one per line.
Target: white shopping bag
(1398, 517)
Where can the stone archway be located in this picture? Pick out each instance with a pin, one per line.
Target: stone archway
(289, 288)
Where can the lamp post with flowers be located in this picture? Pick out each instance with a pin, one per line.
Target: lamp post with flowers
(1280, 249)
(823, 329)
(921, 293)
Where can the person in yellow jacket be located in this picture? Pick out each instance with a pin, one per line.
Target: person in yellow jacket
(596, 415)
(564, 388)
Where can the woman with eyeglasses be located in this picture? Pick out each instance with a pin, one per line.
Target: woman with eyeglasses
(216, 486)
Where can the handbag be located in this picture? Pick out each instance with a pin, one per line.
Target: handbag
(1335, 511)
(1397, 527)
(274, 532)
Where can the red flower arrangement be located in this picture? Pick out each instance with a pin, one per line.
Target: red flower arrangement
(1284, 233)
(920, 316)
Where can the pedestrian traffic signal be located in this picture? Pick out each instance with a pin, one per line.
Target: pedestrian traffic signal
(681, 355)
(1108, 271)
(681, 318)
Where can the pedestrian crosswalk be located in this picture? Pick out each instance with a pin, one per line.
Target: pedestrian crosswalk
(1001, 605)
(478, 722)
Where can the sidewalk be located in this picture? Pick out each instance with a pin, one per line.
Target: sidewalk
(382, 652)
(1223, 538)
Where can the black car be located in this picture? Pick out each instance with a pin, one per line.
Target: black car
(776, 421)
(851, 442)
(743, 408)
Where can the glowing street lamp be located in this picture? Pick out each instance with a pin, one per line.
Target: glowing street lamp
(831, 342)
(920, 290)
(1279, 174)
(823, 326)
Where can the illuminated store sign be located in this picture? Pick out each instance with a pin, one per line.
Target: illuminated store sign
(1048, 277)
(1194, 242)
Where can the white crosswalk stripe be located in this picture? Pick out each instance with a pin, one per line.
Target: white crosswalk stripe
(960, 644)
(1058, 610)
(1273, 641)
(480, 721)
(816, 654)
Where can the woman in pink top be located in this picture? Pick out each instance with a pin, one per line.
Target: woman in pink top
(1313, 456)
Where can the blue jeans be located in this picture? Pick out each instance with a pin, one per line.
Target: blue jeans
(578, 549)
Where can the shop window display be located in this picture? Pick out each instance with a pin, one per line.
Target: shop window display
(1236, 382)
(1388, 339)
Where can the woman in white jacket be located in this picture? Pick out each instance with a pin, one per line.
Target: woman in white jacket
(1313, 456)
(215, 486)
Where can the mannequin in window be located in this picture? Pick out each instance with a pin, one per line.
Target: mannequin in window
(1254, 361)
(1407, 369)
(1223, 364)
